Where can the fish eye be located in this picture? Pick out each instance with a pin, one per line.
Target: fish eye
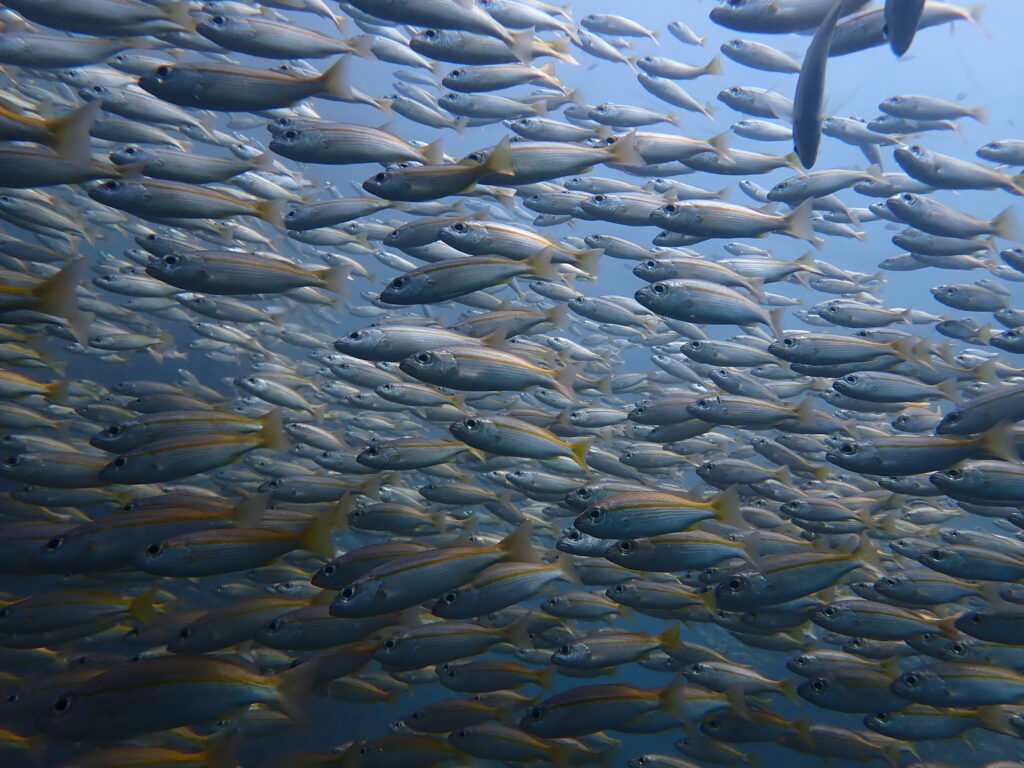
(658, 288)
(120, 461)
(12, 461)
(601, 110)
(373, 451)
(398, 283)
(389, 644)
(430, 34)
(574, 535)
(650, 264)
(896, 100)
(937, 554)
(916, 151)
(162, 71)
(958, 649)
(599, 198)
(185, 633)
(595, 513)
(460, 226)
(63, 704)
(290, 135)
(829, 612)
(423, 357)
(348, 592)
(670, 208)
(848, 448)
(950, 291)
(882, 717)
(55, 543)
(819, 684)
(954, 474)
(735, 583)
(274, 626)
(912, 679)
(851, 379)
(536, 713)
(450, 598)
(626, 546)
(218, 20)
(155, 549)
(170, 260)
(976, 618)
(908, 198)
(952, 418)
(472, 424)
(381, 177)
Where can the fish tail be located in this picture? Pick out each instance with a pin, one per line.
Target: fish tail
(714, 67)
(500, 158)
(995, 719)
(336, 278)
(334, 81)
(788, 689)
(521, 43)
(719, 144)
(567, 569)
(564, 378)
(292, 688)
(69, 134)
(558, 315)
(727, 507)
(579, 451)
(317, 536)
(559, 48)
(973, 14)
(588, 260)
(542, 265)
(141, 608)
(57, 391)
(1005, 225)
(669, 638)
(775, 321)
(56, 296)
(802, 729)
(361, 46)
(222, 751)
(518, 545)
(248, 513)
(271, 211)
(672, 697)
(432, 153)
(1000, 441)
(180, 12)
(624, 151)
(272, 433)
(798, 222)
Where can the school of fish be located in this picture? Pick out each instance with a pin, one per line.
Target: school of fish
(300, 475)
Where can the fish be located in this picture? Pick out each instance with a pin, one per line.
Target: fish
(810, 89)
